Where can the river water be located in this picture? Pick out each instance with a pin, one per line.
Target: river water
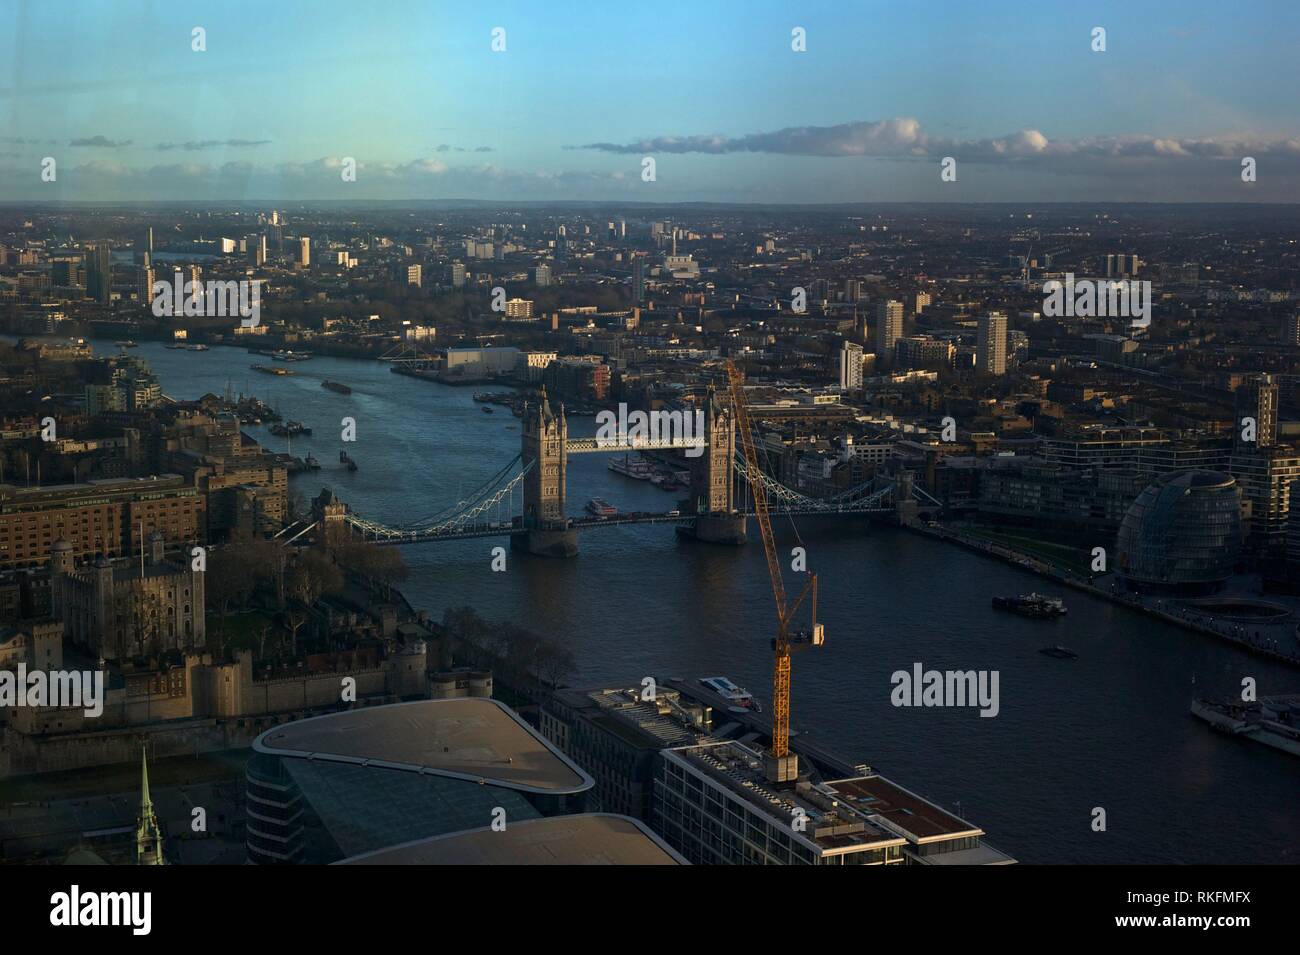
(1110, 729)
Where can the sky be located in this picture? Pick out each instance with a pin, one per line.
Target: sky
(711, 90)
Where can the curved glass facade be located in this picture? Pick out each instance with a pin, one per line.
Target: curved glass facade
(1182, 533)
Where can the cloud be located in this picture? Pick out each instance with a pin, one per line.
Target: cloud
(100, 142)
(903, 138)
(193, 146)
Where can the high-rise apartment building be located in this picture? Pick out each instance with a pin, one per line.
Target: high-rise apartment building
(638, 281)
(991, 344)
(1256, 424)
(850, 366)
(889, 328)
(415, 275)
(304, 251)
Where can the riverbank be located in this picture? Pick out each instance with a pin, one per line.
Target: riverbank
(1171, 611)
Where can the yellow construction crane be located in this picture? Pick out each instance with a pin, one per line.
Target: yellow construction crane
(781, 765)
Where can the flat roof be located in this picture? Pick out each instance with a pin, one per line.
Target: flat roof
(585, 839)
(478, 739)
(923, 821)
(738, 769)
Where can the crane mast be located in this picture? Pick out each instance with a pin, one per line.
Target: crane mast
(781, 764)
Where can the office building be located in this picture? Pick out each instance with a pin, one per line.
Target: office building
(991, 344)
(304, 251)
(99, 273)
(1182, 534)
(458, 274)
(714, 805)
(347, 784)
(257, 249)
(594, 838)
(542, 276)
(615, 734)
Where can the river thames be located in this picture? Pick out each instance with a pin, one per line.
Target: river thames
(1110, 729)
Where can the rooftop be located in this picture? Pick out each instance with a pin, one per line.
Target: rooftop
(476, 739)
(899, 809)
(586, 839)
(831, 828)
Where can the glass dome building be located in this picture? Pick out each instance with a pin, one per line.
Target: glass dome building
(1183, 533)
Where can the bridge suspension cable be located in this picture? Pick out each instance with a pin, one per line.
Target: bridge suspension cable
(468, 518)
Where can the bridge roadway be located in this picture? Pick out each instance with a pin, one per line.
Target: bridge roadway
(504, 529)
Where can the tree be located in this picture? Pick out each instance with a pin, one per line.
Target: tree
(382, 564)
(312, 575)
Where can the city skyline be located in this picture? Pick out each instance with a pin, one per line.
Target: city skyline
(729, 111)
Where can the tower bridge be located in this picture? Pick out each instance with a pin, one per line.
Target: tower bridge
(715, 509)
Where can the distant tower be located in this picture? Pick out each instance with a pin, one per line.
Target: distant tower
(1257, 399)
(991, 344)
(711, 485)
(148, 837)
(544, 446)
(889, 329)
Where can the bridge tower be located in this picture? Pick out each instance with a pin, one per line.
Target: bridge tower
(712, 497)
(543, 444)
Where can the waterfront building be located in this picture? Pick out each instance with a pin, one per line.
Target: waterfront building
(714, 805)
(1265, 476)
(97, 518)
(1183, 533)
(615, 735)
(342, 785)
(593, 838)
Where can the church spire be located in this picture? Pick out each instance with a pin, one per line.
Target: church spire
(148, 837)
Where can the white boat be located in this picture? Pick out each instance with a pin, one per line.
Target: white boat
(736, 695)
(1272, 721)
